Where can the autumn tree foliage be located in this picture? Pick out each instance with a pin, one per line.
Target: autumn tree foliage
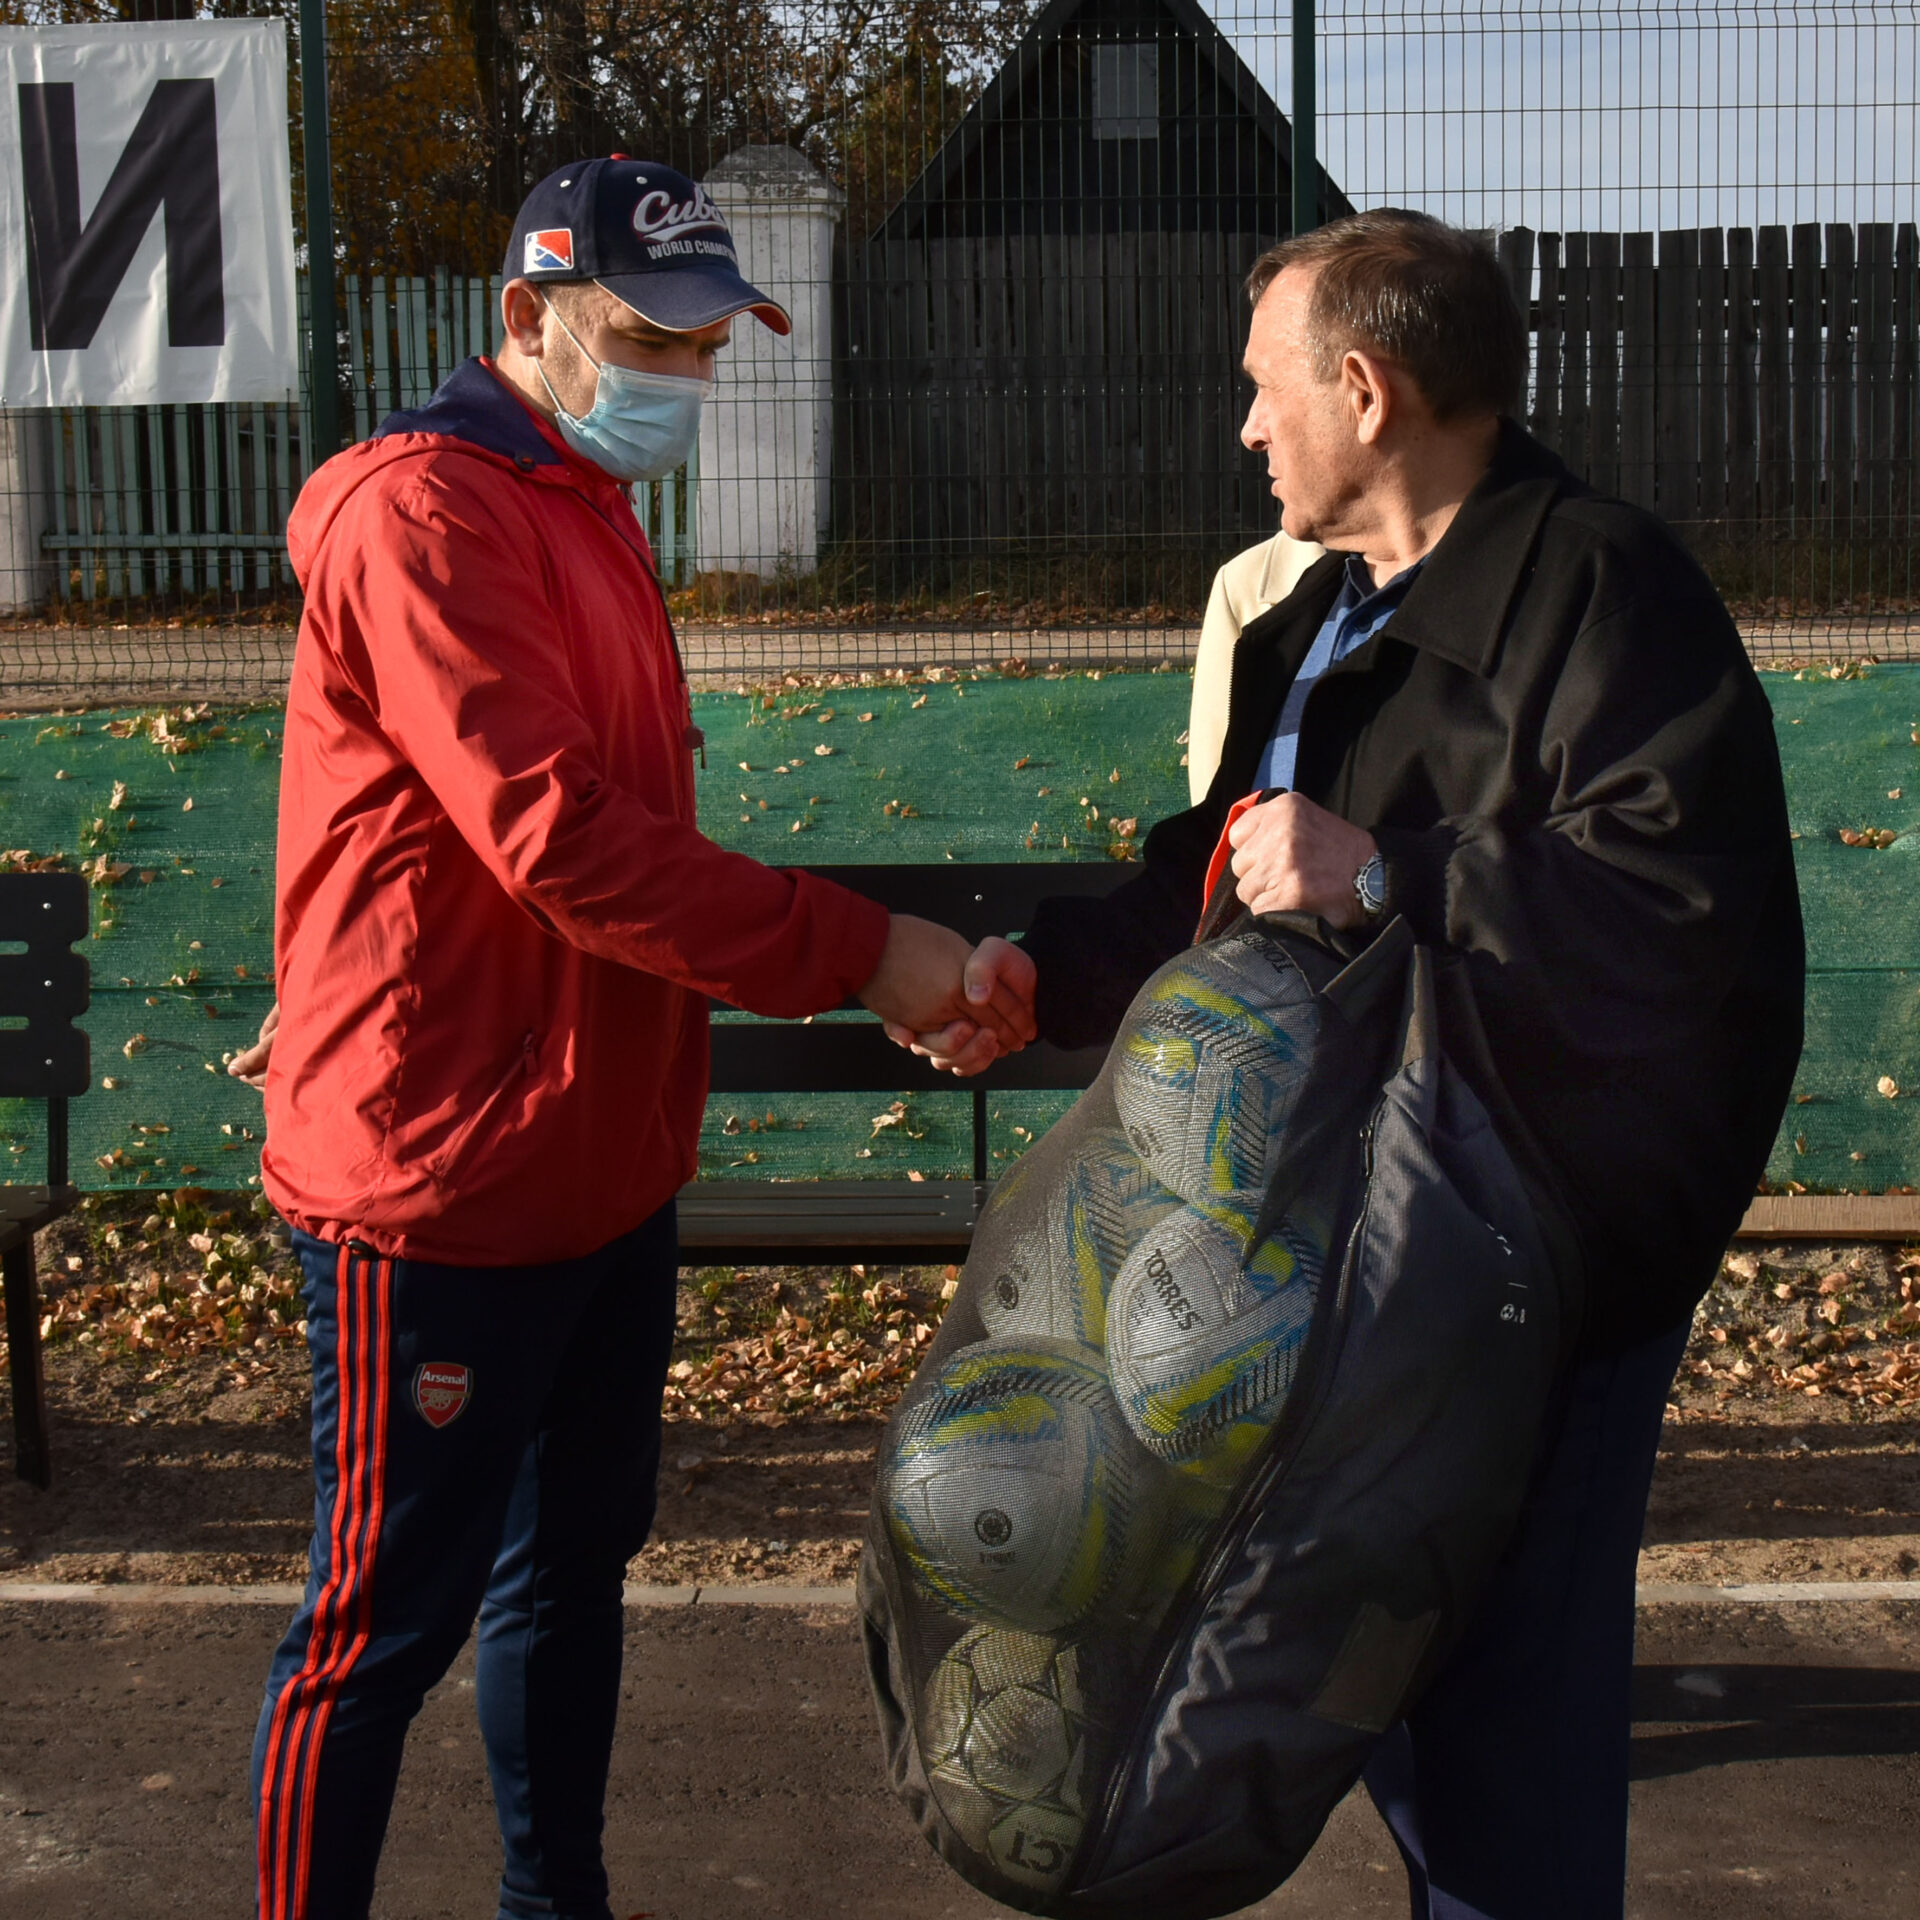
(445, 112)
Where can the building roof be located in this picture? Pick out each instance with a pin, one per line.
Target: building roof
(1000, 102)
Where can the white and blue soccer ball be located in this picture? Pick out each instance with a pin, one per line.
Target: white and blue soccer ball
(1203, 1341)
(1209, 1067)
(1045, 1266)
(1012, 1483)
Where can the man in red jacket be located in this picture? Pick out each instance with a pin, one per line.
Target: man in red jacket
(498, 927)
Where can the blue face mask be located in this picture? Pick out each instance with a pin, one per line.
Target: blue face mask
(641, 426)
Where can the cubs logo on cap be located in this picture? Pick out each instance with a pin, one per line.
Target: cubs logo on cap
(441, 1390)
(549, 250)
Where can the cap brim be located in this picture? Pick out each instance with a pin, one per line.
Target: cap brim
(702, 294)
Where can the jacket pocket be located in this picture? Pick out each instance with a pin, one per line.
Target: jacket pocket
(481, 1128)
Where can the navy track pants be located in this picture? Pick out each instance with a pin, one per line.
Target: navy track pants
(1506, 1787)
(485, 1442)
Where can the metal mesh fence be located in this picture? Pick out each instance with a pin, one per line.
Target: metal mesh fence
(1012, 238)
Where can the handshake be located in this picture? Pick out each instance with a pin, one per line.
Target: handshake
(960, 1007)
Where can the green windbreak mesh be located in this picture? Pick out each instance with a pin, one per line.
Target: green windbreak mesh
(961, 769)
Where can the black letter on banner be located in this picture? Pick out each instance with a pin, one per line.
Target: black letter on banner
(172, 159)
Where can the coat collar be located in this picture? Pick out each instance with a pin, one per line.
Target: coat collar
(1457, 607)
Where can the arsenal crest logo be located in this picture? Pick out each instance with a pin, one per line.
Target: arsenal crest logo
(440, 1390)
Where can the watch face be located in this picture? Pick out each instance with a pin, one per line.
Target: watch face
(1370, 883)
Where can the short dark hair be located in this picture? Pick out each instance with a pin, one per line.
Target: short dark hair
(1431, 298)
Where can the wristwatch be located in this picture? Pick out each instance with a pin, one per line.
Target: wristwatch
(1370, 887)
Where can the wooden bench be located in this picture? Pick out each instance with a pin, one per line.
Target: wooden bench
(900, 1221)
(44, 987)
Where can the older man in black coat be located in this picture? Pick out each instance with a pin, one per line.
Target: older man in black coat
(1516, 713)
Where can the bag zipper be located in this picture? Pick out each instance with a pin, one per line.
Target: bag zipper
(1260, 1486)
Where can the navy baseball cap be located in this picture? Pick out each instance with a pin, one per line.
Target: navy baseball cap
(648, 234)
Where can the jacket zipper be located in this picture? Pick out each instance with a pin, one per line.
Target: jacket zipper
(1239, 1520)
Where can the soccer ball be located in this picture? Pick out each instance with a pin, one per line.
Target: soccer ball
(1011, 1484)
(1003, 1736)
(1202, 1342)
(1045, 1265)
(1210, 1065)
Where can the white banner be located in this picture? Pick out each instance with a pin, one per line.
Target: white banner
(146, 220)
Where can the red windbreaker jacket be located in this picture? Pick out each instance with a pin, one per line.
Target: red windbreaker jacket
(497, 921)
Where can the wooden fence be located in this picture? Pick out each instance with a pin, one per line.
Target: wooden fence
(1029, 389)
(1028, 394)
(1756, 388)
(1733, 377)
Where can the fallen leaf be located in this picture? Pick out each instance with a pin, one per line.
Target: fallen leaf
(109, 1082)
(822, 750)
(864, 718)
(186, 805)
(1024, 762)
(119, 799)
(1893, 793)
(138, 1044)
(1888, 1086)
(1113, 779)
(921, 702)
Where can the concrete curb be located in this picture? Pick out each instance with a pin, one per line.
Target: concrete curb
(131, 1593)
(146, 1593)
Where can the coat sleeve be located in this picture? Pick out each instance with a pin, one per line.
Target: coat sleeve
(443, 626)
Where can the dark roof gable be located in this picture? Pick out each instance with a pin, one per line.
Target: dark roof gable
(1014, 101)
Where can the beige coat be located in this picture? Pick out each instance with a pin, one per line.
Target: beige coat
(1243, 589)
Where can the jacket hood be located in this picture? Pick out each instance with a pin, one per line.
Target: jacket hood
(474, 413)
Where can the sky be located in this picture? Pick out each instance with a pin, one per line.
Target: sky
(1616, 118)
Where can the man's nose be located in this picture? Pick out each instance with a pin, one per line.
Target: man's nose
(1253, 434)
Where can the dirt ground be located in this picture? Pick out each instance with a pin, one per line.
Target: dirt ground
(188, 1468)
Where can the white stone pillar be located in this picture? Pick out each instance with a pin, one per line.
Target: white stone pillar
(26, 572)
(766, 437)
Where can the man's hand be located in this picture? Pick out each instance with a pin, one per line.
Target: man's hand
(1290, 856)
(927, 982)
(996, 971)
(250, 1063)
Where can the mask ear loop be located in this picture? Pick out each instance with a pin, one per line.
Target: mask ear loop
(538, 368)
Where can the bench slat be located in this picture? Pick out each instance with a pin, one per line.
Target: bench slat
(976, 900)
(829, 1221)
(846, 1056)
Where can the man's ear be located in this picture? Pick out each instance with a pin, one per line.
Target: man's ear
(1366, 391)
(523, 316)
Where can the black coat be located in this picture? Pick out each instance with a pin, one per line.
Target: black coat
(1570, 768)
